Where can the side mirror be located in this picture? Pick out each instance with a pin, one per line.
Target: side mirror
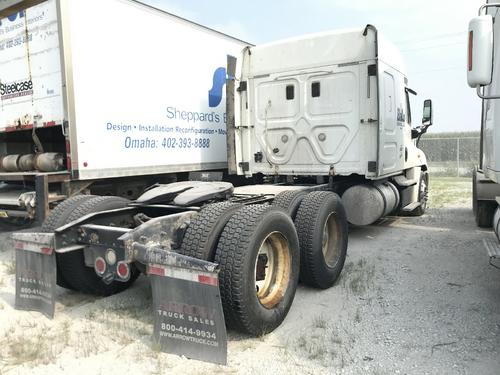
(427, 113)
(480, 51)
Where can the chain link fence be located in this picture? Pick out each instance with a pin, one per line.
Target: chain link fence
(451, 154)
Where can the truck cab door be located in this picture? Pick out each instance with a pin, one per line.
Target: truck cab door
(391, 121)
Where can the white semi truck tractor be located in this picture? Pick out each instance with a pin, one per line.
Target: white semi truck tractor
(317, 132)
(483, 74)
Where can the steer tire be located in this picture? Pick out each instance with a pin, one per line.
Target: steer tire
(202, 235)
(72, 264)
(59, 217)
(290, 201)
(250, 307)
(320, 211)
(423, 194)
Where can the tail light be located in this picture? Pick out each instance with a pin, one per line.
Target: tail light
(123, 270)
(100, 266)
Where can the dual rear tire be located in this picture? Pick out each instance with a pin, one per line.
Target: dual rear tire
(321, 223)
(261, 251)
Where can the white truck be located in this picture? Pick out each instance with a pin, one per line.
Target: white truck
(336, 106)
(483, 74)
(307, 120)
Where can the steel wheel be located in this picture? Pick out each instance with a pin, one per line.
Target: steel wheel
(331, 250)
(259, 261)
(272, 270)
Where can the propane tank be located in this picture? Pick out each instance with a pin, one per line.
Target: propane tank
(365, 204)
(49, 162)
(9, 163)
(26, 162)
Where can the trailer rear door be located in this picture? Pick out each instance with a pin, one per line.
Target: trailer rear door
(30, 68)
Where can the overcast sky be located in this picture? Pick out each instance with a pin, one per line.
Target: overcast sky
(430, 34)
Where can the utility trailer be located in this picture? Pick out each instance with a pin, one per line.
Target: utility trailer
(308, 120)
(74, 76)
(483, 74)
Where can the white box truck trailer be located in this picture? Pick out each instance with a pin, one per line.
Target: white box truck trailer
(307, 119)
(483, 74)
(105, 96)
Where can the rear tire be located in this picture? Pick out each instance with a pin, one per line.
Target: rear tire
(59, 217)
(290, 201)
(258, 255)
(483, 210)
(323, 230)
(202, 235)
(72, 265)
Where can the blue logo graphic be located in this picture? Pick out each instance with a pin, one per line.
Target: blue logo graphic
(13, 17)
(215, 93)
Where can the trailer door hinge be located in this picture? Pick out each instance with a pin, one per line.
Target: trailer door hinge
(257, 157)
(244, 165)
(372, 70)
(243, 86)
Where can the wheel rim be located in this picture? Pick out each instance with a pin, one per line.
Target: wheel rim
(330, 248)
(272, 269)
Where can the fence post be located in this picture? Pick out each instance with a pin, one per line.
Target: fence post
(458, 157)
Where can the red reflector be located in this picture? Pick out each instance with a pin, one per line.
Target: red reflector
(152, 270)
(471, 45)
(123, 270)
(208, 280)
(46, 250)
(85, 164)
(100, 265)
(19, 246)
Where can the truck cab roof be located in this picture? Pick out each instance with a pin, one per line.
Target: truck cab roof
(344, 46)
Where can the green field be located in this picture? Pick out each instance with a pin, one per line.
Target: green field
(449, 191)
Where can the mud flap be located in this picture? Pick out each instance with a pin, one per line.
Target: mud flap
(188, 312)
(35, 272)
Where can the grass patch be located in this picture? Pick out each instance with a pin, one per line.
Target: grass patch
(10, 267)
(327, 345)
(33, 344)
(319, 322)
(358, 277)
(449, 191)
(357, 316)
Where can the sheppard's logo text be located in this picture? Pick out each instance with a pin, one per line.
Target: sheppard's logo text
(16, 89)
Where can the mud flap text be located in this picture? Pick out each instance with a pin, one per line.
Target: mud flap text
(188, 313)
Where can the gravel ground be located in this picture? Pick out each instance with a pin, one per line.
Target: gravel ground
(417, 296)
